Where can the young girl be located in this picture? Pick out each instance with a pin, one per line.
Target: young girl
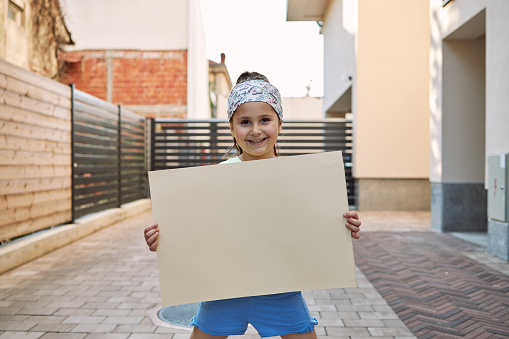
(255, 116)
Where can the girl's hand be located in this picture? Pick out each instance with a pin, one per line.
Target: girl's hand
(353, 223)
(151, 233)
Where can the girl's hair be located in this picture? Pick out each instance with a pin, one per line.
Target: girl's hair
(247, 76)
(235, 149)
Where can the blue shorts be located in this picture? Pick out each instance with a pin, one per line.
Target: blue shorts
(271, 315)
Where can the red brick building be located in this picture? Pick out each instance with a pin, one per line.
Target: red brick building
(148, 56)
(153, 83)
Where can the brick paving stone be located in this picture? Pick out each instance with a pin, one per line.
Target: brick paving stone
(148, 336)
(15, 326)
(46, 319)
(136, 306)
(21, 335)
(384, 331)
(101, 305)
(9, 310)
(377, 315)
(110, 312)
(434, 288)
(63, 336)
(46, 327)
(322, 308)
(83, 320)
(90, 328)
(80, 312)
(337, 322)
(12, 317)
(107, 336)
(182, 332)
(137, 313)
(363, 323)
(347, 331)
(360, 308)
(181, 336)
(135, 328)
(123, 320)
(393, 323)
(89, 299)
(320, 330)
(339, 315)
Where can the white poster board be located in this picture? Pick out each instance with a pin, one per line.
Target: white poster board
(252, 228)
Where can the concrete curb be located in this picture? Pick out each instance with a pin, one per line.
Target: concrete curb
(33, 247)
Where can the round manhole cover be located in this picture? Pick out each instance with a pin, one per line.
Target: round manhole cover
(179, 315)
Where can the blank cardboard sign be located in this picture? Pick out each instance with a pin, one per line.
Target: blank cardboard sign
(252, 228)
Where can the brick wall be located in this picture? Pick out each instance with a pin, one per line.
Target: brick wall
(134, 78)
(89, 75)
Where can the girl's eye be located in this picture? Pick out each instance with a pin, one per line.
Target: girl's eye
(244, 122)
(265, 120)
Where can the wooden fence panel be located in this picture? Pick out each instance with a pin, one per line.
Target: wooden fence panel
(35, 152)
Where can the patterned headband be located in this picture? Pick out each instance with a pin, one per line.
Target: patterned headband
(254, 90)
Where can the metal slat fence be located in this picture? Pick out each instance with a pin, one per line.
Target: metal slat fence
(185, 143)
(108, 155)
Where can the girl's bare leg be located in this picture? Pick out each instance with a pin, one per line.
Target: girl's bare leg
(197, 334)
(307, 335)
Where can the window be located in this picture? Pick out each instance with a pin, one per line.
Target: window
(16, 13)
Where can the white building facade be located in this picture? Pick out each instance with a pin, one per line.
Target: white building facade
(376, 67)
(426, 79)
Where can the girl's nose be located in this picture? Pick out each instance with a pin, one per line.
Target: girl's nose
(255, 130)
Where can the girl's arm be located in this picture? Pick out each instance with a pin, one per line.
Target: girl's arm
(353, 223)
(151, 233)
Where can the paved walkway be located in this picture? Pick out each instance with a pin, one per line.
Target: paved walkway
(106, 286)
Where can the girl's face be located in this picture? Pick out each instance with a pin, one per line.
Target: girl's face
(255, 126)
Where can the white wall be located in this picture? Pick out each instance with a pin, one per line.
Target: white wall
(302, 108)
(463, 19)
(127, 24)
(463, 104)
(222, 90)
(339, 29)
(497, 77)
(15, 42)
(198, 104)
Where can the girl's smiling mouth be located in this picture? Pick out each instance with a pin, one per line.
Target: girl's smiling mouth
(256, 142)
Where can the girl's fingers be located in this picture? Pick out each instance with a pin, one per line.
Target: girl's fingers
(152, 238)
(355, 222)
(151, 226)
(353, 228)
(150, 233)
(351, 214)
(149, 229)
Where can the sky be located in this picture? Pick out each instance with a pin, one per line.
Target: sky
(255, 36)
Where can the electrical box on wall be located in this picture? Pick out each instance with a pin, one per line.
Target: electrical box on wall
(498, 192)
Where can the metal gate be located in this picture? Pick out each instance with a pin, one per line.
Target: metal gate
(179, 143)
(108, 155)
